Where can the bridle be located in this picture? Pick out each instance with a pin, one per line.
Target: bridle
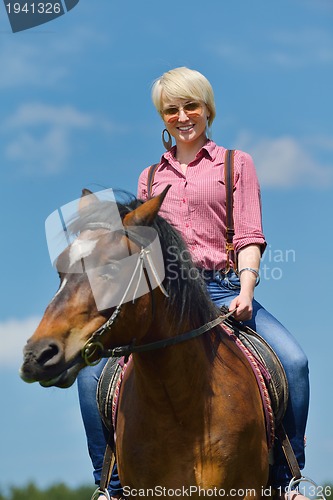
(94, 346)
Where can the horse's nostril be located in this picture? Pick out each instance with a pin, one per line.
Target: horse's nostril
(49, 355)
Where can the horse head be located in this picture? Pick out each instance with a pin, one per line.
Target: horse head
(53, 355)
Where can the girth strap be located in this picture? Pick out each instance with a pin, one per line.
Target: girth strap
(288, 452)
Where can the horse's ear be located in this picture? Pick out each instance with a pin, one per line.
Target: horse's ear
(87, 198)
(145, 214)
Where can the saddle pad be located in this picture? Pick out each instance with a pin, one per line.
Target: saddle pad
(259, 374)
(271, 367)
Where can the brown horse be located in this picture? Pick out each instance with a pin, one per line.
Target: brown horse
(190, 416)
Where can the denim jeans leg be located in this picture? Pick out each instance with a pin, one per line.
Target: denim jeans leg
(96, 432)
(295, 363)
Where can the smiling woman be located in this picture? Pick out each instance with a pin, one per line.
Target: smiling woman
(196, 205)
(187, 108)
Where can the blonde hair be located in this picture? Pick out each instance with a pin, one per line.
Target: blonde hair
(184, 83)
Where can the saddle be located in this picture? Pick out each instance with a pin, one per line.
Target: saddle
(249, 341)
(108, 390)
(271, 367)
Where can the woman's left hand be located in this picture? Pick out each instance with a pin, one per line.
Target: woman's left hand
(243, 305)
(248, 259)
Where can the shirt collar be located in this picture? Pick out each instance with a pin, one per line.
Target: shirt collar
(209, 149)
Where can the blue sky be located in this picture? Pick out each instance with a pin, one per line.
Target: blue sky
(76, 112)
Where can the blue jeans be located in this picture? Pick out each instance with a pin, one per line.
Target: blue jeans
(96, 432)
(222, 290)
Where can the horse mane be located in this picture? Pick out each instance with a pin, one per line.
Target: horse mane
(188, 297)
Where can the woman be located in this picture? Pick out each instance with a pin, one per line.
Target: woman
(195, 205)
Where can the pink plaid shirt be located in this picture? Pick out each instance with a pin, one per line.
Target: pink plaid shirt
(196, 202)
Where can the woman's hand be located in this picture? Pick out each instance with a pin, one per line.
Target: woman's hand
(248, 259)
(243, 305)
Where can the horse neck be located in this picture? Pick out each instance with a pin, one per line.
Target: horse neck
(181, 370)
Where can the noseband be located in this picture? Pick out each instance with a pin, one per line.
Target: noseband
(94, 346)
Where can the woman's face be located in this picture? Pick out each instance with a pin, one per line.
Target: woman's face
(185, 119)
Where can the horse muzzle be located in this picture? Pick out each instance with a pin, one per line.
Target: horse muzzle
(44, 362)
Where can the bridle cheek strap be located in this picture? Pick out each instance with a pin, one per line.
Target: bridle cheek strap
(93, 346)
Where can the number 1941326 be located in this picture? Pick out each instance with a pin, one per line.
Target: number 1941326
(34, 8)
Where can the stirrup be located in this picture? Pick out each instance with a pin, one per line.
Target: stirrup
(294, 483)
(100, 492)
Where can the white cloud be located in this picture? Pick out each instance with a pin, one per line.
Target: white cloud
(324, 143)
(285, 162)
(43, 60)
(27, 65)
(295, 49)
(44, 155)
(14, 333)
(40, 114)
(325, 5)
(301, 48)
(40, 136)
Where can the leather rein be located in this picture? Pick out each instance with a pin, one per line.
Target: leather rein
(94, 346)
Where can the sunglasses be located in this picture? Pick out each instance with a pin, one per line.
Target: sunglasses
(191, 109)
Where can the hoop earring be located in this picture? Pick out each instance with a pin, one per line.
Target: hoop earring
(209, 130)
(167, 144)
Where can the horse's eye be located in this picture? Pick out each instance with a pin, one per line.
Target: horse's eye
(105, 276)
(110, 271)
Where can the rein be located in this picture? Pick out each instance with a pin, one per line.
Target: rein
(92, 347)
(126, 350)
